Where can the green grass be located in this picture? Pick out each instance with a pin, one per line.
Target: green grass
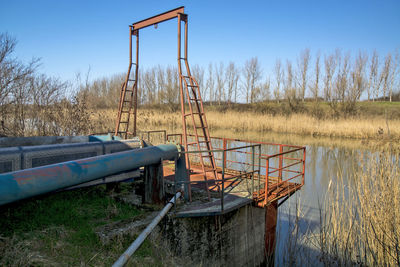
(59, 229)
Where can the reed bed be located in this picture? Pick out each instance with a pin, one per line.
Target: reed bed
(302, 124)
(360, 218)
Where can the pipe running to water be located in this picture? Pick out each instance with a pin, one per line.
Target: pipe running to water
(136, 244)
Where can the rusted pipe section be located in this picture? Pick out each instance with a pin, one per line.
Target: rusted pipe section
(31, 182)
(136, 244)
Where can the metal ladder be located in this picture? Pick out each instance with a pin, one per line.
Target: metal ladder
(189, 87)
(197, 118)
(128, 95)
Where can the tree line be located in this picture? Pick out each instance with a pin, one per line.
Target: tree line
(32, 103)
(336, 78)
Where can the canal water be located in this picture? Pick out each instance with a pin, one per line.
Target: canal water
(327, 161)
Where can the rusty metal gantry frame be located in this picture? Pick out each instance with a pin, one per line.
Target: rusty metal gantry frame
(186, 81)
(132, 94)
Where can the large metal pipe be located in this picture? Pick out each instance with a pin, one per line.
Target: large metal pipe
(31, 182)
(140, 239)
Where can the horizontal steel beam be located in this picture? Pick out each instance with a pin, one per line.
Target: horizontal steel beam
(27, 183)
(158, 18)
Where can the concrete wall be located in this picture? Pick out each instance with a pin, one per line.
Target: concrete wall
(233, 239)
(24, 157)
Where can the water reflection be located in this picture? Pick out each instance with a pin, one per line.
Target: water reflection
(326, 160)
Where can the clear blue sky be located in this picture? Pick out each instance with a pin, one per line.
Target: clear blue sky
(69, 36)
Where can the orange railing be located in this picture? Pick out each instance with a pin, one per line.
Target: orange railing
(279, 168)
(291, 167)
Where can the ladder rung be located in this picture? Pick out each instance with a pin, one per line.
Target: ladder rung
(192, 85)
(194, 113)
(195, 99)
(193, 143)
(182, 58)
(131, 80)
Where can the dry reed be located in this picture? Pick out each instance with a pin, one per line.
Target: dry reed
(362, 128)
(360, 221)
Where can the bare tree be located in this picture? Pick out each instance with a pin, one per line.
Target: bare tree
(150, 85)
(373, 83)
(15, 78)
(279, 73)
(358, 79)
(172, 86)
(252, 76)
(330, 67)
(161, 84)
(210, 83)
(198, 74)
(289, 84)
(342, 76)
(394, 73)
(385, 74)
(220, 79)
(302, 64)
(315, 87)
(266, 87)
(232, 78)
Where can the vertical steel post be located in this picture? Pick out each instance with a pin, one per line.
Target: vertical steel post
(135, 90)
(224, 148)
(304, 166)
(259, 170)
(182, 96)
(266, 187)
(271, 215)
(280, 163)
(223, 181)
(252, 163)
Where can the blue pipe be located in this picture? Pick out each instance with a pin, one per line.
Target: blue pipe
(27, 183)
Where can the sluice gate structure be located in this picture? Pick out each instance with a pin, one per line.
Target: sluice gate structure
(231, 188)
(233, 173)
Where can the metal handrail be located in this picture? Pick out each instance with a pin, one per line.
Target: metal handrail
(282, 156)
(282, 169)
(223, 179)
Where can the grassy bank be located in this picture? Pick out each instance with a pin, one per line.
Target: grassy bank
(378, 121)
(62, 230)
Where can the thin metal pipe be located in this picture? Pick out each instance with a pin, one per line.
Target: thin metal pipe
(136, 244)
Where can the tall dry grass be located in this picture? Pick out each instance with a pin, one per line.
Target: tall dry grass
(361, 128)
(360, 221)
